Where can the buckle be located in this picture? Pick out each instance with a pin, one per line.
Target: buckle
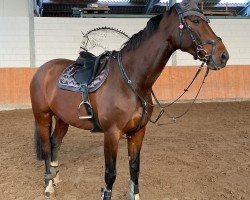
(201, 54)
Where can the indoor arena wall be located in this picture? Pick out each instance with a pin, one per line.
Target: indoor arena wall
(26, 44)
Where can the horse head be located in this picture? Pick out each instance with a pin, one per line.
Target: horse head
(195, 36)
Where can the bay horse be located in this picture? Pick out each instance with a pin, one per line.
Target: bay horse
(122, 104)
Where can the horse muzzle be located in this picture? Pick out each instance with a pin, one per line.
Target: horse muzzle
(218, 62)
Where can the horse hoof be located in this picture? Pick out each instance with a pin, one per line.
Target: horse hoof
(49, 191)
(106, 194)
(56, 181)
(49, 196)
(137, 197)
(134, 197)
(56, 185)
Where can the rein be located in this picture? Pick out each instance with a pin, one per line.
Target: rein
(145, 103)
(163, 111)
(201, 53)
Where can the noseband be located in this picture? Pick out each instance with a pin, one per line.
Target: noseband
(201, 53)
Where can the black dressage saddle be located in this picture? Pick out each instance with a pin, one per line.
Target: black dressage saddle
(86, 75)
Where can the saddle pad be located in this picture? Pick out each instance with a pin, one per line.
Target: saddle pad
(67, 80)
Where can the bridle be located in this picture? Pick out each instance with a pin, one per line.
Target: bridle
(201, 53)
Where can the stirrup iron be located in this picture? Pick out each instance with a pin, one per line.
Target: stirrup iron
(85, 102)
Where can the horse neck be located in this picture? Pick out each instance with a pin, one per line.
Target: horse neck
(145, 64)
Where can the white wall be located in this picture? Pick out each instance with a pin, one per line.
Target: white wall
(14, 8)
(15, 33)
(235, 34)
(61, 38)
(14, 42)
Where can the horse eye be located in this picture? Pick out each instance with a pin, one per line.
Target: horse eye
(196, 21)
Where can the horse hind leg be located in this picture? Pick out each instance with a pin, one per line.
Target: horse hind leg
(59, 132)
(43, 128)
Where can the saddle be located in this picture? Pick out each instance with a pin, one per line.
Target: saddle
(89, 66)
(86, 75)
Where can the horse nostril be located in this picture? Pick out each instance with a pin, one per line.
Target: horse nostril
(224, 57)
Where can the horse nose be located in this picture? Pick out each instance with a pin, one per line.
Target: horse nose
(224, 57)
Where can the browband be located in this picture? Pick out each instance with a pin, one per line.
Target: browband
(190, 12)
(195, 13)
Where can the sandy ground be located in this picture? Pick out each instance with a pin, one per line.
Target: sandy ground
(204, 156)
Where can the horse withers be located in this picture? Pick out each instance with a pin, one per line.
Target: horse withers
(122, 104)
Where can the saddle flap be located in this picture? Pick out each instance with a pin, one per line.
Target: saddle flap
(84, 73)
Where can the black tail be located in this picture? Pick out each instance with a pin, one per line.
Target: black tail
(38, 142)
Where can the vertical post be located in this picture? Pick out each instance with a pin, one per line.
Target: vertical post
(31, 33)
(202, 6)
(174, 55)
(171, 2)
(149, 6)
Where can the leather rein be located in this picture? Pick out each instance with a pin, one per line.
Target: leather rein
(201, 53)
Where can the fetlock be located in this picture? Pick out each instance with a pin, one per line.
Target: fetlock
(48, 178)
(133, 191)
(106, 194)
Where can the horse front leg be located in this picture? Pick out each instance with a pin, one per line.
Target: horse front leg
(111, 140)
(134, 148)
